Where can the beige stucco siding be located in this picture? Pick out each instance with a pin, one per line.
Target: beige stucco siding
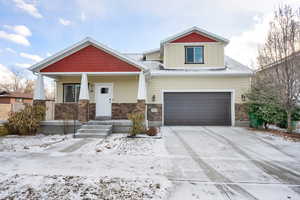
(124, 87)
(153, 56)
(174, 54)
(239, 84)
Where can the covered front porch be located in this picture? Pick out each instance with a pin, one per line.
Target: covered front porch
(88, 96)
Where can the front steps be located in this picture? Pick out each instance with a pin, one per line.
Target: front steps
(99, 129)
(118, 126)
(93, 130)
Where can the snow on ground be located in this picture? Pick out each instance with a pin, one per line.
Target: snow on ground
(120, 144)
(61, 167)
(37, 143)
(77, 187)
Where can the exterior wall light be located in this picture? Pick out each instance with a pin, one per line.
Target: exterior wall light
(243, 97)
(153, 98)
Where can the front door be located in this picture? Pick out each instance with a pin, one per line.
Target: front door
(103, 96)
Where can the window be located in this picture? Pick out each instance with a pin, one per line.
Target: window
(194, 55)
(19, 100)
(104, 90)
(71, 92)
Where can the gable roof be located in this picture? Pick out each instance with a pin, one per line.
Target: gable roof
(195, 29)
(80, 45)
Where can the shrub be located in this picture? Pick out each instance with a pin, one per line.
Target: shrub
(282, 123)
(26, 121)
(267, 113)
(152, 131)
(137, 123)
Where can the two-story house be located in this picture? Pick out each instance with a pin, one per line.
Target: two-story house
(186, 81)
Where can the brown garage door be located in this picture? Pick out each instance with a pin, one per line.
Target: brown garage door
(197, 108)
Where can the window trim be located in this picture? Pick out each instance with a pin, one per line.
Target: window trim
(64, 92)
(185, 59)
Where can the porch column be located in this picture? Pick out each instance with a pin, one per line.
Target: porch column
(39, 93)
(141, 97)
(84, 99)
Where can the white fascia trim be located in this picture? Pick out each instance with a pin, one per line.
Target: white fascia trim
(79, 45)
(195, 29)
(90, 73)
(184, 73)
(232, 91)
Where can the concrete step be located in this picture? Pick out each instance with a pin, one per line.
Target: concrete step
(93, 130)
(91, 135)
(89, 126)
(110, 122)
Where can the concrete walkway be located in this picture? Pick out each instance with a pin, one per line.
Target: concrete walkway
(231, 163)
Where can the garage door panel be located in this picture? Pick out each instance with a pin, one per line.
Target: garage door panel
(197, 108)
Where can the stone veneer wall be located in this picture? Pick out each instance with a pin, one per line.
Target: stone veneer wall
(120, 110)
(154, 112)
(68, 110)
(65, 111)
(241, 112)
(92, 111)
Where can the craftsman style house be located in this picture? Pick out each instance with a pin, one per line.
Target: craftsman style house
(186, 81)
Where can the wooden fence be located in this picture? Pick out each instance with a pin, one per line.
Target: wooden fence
(5, 109)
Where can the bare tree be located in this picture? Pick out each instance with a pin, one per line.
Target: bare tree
(279, 60)
(18, 84)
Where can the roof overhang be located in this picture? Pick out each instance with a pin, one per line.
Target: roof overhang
(78, 46)
(201, 73)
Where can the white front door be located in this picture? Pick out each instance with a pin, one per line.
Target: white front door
(103, 94)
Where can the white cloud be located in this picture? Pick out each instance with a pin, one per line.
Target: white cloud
(35, 58)
(28, 8)
(19, 29)
(23, 65)
(16, 38)
(64, 22)
(6, 75)
(244, 47)
(19, 34)
(48, 54)
(10, 50)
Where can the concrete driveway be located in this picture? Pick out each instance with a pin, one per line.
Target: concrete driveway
(232, 163)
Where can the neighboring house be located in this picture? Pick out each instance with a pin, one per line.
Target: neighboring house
(187, 81)
(15, 97)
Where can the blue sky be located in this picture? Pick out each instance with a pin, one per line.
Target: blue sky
(31, 30)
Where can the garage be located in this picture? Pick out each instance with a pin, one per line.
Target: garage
(197, 108)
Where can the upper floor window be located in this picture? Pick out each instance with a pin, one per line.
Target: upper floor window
(71, 92)
(194, 55)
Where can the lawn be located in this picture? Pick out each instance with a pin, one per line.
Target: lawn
(60, 167)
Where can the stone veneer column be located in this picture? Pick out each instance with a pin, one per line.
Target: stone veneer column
(84, 99)
(83, 110)
(141, 107)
